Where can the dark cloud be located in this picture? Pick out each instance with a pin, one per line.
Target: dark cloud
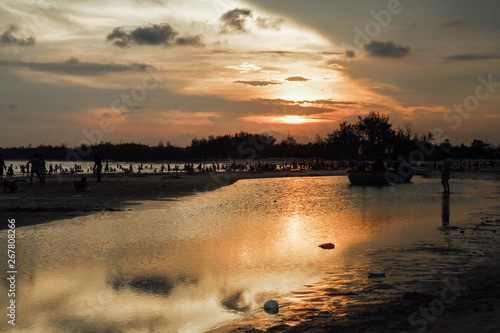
(473, 57)
(189, 41)
(119, 37)
(269, 23)
(153, 34)
(386, 49)
(456, 24)
(350, 54)
(235, 19)
(7, 38)
(259, 83)
(74, 66)
(297, 78)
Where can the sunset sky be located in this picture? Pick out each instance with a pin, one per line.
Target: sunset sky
(151, 70)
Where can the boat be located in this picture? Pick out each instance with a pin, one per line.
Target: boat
(379, 178)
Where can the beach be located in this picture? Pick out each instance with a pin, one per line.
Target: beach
(446, 284)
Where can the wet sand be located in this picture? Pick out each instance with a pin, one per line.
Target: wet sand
(450, 283)
(447, 283)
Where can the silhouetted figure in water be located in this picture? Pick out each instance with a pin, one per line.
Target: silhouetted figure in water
(10, 171)
(445, 173)
(81, 184)
(97, 167)
(42, 168)
(2, 167)
(9, 184)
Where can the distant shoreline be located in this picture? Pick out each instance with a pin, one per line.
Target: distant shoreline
(58, 200)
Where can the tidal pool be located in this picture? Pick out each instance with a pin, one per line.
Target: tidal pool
(204, 261)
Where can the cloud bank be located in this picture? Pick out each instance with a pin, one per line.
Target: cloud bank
(153, 34)
(473, 57)
(74, 66)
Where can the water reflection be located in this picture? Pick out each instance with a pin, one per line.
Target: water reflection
(214, 258)
(445, 209)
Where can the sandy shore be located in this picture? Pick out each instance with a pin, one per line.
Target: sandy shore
(448, 284)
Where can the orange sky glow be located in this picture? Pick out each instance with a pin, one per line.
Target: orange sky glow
(168, 70)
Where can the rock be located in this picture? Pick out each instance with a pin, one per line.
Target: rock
(376, 274)
(327, 246)
(271, 306)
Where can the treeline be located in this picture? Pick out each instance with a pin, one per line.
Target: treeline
(370, 136)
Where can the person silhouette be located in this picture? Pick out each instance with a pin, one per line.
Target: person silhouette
(97, 166)
(35, 168)
(2, 167)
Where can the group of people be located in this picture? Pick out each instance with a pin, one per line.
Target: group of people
(10, 169)
(36, 166)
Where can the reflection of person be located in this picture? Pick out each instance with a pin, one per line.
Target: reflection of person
(445, 173)
(97, 167)
(445, 209)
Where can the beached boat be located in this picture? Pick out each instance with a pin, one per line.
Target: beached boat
(378, 178)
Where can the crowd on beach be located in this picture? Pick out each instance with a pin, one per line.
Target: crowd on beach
(37, 166)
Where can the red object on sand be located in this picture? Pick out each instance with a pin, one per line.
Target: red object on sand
(327, 246)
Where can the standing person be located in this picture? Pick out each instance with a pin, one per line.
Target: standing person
(35, 168)
(42, 168)
(97, 167)
(445, 173)
(2, 167)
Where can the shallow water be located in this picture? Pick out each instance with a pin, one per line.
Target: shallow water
(214, 258)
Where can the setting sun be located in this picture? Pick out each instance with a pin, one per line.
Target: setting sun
(295, 120)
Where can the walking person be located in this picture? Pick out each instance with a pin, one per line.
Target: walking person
(34, 168)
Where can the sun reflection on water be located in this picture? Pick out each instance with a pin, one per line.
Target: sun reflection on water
(214, 258)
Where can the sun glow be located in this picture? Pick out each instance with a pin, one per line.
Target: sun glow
(294, 120)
